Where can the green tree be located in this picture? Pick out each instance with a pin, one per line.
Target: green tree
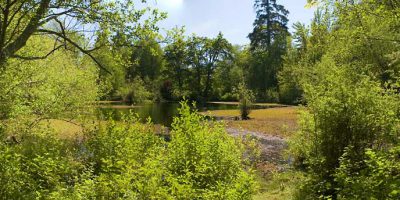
(246, 99)
(268, 45)
(229, 73)
(196, 57)
(196, 48)
(116, 60)
(350, 80)
(271, 22)
(216, 50)
(204, 55)
(176, 55)
(147, 60)
(56, 87)
(20, 20)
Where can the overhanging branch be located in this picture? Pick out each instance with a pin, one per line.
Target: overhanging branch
(86, 52)
(36, 57)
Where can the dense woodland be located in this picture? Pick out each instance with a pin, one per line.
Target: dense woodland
(58, 58)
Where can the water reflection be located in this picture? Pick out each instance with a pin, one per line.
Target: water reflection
(160, 113)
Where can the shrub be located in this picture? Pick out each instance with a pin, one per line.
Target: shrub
(289, 90)
(347, 111)
(37, 166)
(379, 177)
(205, 162)
(201, 162)
(246, 98)
(61, 86)
(127, 158)
(136, 92)
(272, 96)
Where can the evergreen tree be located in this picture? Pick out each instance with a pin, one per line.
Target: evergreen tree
(270, 24)
(268, 45)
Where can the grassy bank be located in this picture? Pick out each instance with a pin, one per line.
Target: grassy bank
(278, 186)
(279, 121)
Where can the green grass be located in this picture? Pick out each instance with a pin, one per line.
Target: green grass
(279, 185)
(64, 129)
(71, 130)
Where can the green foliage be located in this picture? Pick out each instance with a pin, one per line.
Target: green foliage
(120, 21)
(347, 68)
(192, 64)
(36, 166)
(229, 73)
(246, 99)
(270, 24)
(280, 185)
(57, 87)
(205, 162)
(378, 179)
(127, 160)
(300, 147)
(347, 110)
(147, 60)
(175, 56)
(136, 92)
(267, 45)
(116, 60)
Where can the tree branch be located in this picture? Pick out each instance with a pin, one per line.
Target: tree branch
(87, 52)
(36, 57)
(29, 29)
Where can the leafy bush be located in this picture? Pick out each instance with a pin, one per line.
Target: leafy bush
(272, 96)
(246, 98)
(201, 162)
(379, 177)
(346, 110)
(127, 160)
(205, 162)
(136, 92)
(290, 91)
(37, 166)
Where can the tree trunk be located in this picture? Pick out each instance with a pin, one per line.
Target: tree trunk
(198, 80)
(268, 24)
(208, 84)
(179, 74)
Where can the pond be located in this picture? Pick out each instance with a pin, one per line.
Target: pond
(160, 113)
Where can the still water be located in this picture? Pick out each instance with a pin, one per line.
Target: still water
(160, 113)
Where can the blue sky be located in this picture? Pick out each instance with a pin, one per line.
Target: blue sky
(234, 18)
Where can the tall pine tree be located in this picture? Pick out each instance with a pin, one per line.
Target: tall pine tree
(270, 24)
(268, 44)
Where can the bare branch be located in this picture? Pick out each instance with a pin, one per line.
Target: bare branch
(54, 16)
(62, 31)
